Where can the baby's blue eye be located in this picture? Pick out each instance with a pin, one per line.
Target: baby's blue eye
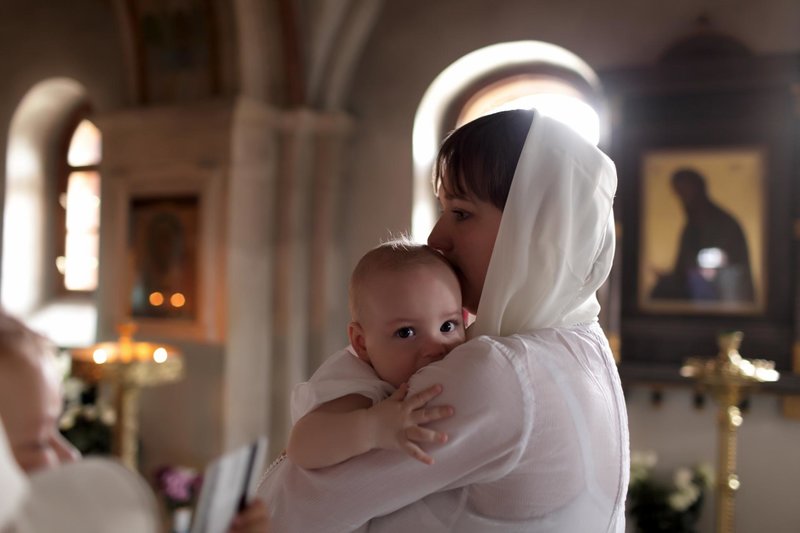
(405, 332)
(449, 326)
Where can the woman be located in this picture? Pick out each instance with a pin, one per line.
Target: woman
(539, 439)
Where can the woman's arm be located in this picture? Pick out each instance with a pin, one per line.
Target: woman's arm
(349, 426)
(487, 434)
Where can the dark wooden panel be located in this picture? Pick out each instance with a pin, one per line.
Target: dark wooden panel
(746, 101)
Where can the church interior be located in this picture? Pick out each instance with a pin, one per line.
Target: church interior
(203, 175)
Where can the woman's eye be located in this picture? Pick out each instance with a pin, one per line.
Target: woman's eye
(404, 333)
(460, 215)
(449, 326)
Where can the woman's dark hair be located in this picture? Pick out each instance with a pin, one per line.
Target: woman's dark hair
(480, 157)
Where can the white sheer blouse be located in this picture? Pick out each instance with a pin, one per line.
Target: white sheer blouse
(538, 443)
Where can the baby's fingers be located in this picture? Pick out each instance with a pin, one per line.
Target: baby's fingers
(421, 398)
(420, 434)
(416, 452)
(430, 414)
(400, 393)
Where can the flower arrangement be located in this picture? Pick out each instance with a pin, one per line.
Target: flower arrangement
(86, 422)
(658, 506)
(178, 486)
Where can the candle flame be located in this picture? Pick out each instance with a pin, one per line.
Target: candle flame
(160, 355)
(100, 356)
(177, 300)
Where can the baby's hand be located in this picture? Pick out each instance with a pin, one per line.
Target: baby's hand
(397, 421)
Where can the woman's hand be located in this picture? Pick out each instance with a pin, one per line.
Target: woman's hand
(252, 519)
(397, 421)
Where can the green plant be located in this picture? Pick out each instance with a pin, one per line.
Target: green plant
(86, 422)
(658, 506)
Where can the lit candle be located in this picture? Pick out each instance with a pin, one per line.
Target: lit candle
(177, 300)
(160, 355)
(100, 356)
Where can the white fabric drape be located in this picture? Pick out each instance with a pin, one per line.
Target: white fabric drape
(560, 205)
(87, 496)
(13, 484)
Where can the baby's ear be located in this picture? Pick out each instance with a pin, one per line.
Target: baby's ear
(357, 340)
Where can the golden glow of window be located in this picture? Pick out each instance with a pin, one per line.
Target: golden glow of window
(80, 260)
(550, 96)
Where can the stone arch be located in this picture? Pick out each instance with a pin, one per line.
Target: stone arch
(48, 112)
(466, 76)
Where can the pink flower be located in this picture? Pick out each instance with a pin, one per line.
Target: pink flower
(177, 484)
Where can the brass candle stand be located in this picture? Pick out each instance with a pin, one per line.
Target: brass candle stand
(728, 377)
(127, 366)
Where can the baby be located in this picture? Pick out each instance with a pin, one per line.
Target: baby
(31, 403)
(405, 307)
(30, 397)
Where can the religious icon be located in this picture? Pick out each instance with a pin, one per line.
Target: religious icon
(163, 242)
(702, 246)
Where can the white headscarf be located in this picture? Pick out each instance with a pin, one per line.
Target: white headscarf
(555, 245)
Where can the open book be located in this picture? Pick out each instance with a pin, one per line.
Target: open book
(229, 484)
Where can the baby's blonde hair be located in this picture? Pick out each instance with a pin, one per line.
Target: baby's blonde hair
(394, 255)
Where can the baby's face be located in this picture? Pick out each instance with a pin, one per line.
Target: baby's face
(30, 404)
(411, 318)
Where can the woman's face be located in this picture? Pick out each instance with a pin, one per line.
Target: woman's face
(465, 234)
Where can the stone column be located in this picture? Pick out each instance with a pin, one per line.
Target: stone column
(286, 283)
(250, 252)
(309, 287)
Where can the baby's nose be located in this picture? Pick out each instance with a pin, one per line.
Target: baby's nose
(435, 350)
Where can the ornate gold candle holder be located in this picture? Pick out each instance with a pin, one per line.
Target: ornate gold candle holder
(728, 377)
(128, 366)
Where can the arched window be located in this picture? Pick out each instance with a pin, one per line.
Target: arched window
(50, 213)
(513, 75)
(79, 198)
(552, 96)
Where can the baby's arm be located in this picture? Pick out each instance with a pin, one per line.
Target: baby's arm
(348, 426)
